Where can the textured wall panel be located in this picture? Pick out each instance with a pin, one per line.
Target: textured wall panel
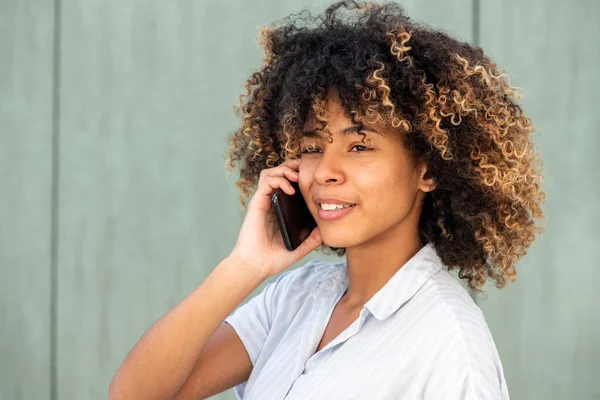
(26, 82)
(547, 323)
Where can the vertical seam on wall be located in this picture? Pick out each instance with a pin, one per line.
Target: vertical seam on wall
(476, 39)
(54, 218)
(476, 22)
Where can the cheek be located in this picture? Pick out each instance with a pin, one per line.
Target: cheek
(384, 188)
(374, 180)
(307, 165)
(305, 177)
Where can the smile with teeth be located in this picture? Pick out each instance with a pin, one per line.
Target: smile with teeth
(329, 207)
(331, 212)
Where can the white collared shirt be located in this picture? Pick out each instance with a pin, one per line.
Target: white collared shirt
(421, 336)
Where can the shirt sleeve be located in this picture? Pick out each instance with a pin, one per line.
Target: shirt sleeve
(472, 387)
(467, 367)
(252, 321)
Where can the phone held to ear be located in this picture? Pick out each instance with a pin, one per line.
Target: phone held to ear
(295, 220)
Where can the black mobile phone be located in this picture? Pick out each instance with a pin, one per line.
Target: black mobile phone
(295, 220)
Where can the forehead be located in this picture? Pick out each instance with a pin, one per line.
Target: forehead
(336, 114)
(350, 130)
(338, 122)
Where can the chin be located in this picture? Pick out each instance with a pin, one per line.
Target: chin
(335, 239)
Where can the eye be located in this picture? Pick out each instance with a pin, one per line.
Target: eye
(360, 148)
(357, 148)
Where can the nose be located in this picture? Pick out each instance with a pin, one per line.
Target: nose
(328, 170)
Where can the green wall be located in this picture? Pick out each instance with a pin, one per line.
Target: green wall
(116, 203)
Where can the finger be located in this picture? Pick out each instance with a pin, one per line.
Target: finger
(312, 242)
(286, 171)
(275, 183)
(292, 163)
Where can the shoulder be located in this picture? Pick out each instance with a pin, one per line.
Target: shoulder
(467, 346)
(455, 311)
(448, 296)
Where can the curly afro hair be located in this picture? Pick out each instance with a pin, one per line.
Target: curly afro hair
(455, 107)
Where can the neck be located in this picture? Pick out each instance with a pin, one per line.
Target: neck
(371, 264)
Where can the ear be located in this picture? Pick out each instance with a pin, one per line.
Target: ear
(426, 180)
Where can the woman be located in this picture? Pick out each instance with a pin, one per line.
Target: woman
(414, 158)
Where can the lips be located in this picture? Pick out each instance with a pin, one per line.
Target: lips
(330, 200)
(332, 215)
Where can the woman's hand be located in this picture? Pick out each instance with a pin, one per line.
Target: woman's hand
(260, 245)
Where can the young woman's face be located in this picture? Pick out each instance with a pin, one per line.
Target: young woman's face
(377, 178)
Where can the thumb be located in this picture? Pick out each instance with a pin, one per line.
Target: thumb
(309, 244)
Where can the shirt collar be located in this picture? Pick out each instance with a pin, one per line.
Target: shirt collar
(399, 289)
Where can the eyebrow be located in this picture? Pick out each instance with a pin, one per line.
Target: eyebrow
(348, 131)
